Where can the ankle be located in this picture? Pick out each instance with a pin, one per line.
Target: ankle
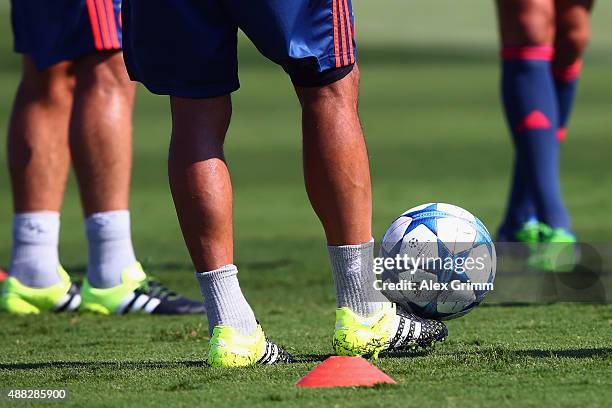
(35, 257)
(110, 247)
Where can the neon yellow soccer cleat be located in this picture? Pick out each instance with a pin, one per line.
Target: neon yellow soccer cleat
(115, 299)
(137, 293)
(228, 348)
(386, 330)
(18, 298)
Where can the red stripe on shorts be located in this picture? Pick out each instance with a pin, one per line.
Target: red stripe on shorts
(349, 31)
(343, 33)
(335, 24)
(95, 26)
(103, 24)
(112, 26)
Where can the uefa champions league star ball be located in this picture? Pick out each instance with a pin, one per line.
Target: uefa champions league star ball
(436, 260)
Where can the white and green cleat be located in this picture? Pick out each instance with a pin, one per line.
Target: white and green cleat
(137, 293)
(388, 330)
(228, 348)
(17, 298)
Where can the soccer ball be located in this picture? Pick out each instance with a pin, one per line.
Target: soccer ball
(436, 260)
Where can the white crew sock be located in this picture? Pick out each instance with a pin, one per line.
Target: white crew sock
(224, 301)
(35, 257)
(110, 247)
(353, 272)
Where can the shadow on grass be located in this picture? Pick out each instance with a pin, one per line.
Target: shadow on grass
(502, 354)
(300, 358)
(408, 353)
(510, 304)
(567, 353)
(135, 365)
(129, 365)
(310, 358)
(317, 358)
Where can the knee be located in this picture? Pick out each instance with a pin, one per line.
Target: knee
(573, 40)
(527, 22)
(342, 93)
(199, 126)
(106, 77)
(53, 86)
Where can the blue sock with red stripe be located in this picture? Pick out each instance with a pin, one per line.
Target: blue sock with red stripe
(530, 104)
(566, 83)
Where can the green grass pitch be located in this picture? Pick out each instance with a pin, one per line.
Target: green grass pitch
(436, 133)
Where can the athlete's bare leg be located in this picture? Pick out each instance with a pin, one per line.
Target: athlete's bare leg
(336, 168)
(200, 180)
(573, 31)
(38, 154)
(526, 22)
(335, 161)
(101, 131)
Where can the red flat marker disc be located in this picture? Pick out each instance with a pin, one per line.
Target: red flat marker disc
(339, 371)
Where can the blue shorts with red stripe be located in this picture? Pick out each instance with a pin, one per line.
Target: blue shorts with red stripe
(50, 31)
(188, 48)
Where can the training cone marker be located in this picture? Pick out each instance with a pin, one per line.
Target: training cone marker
(341, 371)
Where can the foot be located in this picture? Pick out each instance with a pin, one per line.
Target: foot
(17, 298)
(528, 233)
(387, 330)
(137, 293)
(228, 348)
(556, 251)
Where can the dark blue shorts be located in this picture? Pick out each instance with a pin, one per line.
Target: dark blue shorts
(187, 48)
(50, 31)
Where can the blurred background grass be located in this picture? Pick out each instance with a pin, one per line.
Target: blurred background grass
(431, 112)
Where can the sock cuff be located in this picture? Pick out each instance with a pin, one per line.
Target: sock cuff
(40, 227)
(108, 225)
(528, 53)
(216, 274)
(343, 255)
(106, 217)
(37, 215)
(568, 73)
(349, 247)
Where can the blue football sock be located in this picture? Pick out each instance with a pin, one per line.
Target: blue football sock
(520, 208)
(531, 111)
(566, 82)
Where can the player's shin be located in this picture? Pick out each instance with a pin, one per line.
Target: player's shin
(337, 176)
(336, 168)
(200, 180)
